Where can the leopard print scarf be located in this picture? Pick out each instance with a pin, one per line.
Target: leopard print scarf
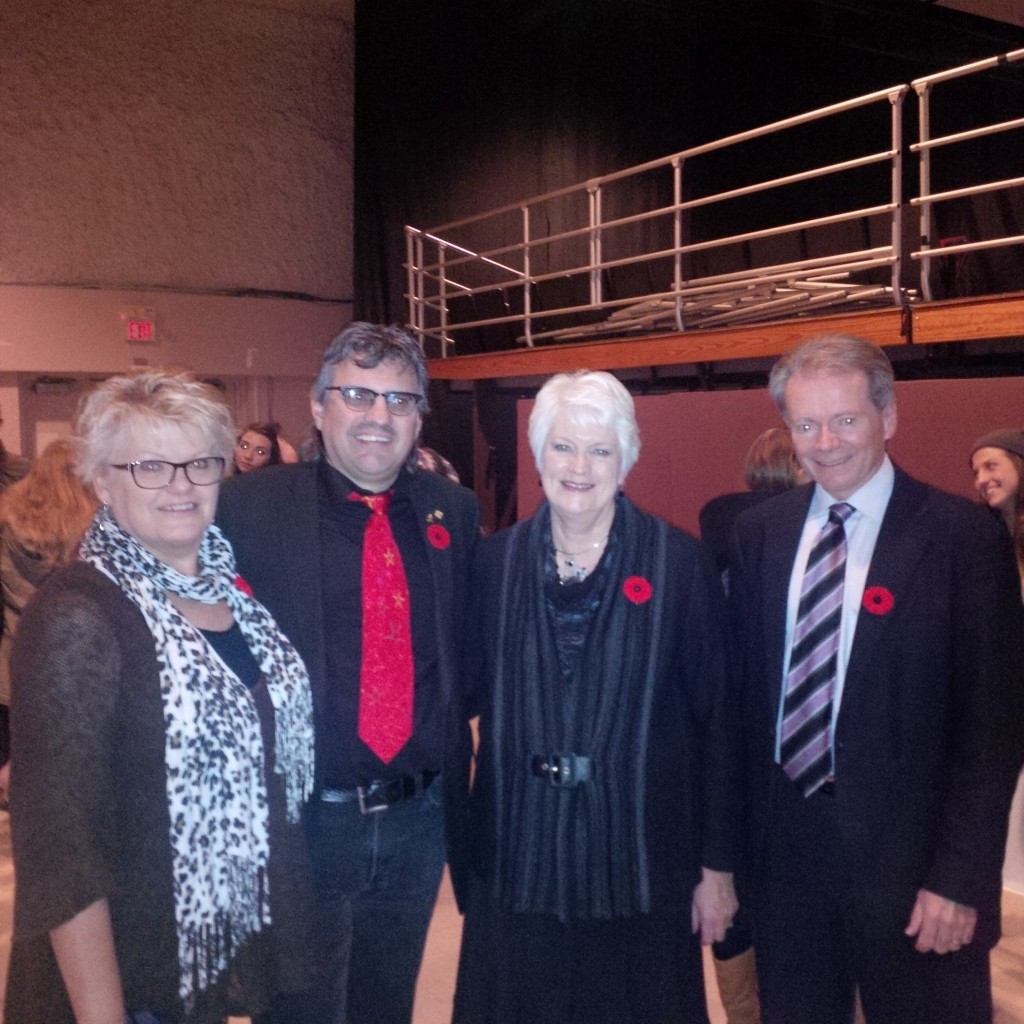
(216, 790)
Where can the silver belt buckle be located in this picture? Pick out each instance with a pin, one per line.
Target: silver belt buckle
(361, 793)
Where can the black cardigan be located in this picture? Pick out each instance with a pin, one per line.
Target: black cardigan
(693, 807)
(89, 817)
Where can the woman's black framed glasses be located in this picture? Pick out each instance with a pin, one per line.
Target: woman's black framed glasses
(152, 474)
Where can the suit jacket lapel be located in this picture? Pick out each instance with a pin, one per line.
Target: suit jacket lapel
(898, 551)
(440, 559)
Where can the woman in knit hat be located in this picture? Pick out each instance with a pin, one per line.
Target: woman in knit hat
(997, 460)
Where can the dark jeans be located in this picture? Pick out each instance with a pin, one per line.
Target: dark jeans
(377, 877)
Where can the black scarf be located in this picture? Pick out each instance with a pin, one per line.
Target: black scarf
(577, 852)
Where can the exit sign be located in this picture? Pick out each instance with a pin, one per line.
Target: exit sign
(141, 330)
(139, 323)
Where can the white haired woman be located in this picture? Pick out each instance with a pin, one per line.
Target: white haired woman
(603, 818)
(162, 741)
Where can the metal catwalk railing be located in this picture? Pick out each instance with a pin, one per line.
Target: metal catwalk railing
(644, 249)
(927, 145)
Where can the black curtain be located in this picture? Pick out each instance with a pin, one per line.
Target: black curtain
(466, 105)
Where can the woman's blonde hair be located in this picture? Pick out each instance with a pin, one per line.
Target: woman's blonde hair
(155, 396)
(771, 464)
(48, 510)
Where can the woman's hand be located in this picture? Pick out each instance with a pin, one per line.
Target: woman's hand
(714, 905)
(84, 950)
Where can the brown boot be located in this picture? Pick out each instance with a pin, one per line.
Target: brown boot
(737, 986)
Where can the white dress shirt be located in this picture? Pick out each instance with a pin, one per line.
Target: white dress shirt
(869, 503)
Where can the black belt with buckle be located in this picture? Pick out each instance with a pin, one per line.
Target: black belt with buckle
(380, 794)
(564, 770)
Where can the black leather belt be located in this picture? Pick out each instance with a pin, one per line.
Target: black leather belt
(380, 794)
(566, 770)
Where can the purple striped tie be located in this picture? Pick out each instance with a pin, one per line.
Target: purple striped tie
(806, 754)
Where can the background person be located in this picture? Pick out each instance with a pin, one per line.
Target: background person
(770, 468)
(997, 461)
(604, 811)
(12, 467)
(257, 446)
(162, 742)
(42, 519)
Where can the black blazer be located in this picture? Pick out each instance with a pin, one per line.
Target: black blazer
(718, 517)
(930, 732)
(271, 518)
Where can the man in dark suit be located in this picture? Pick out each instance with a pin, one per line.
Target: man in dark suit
(363, 559)
(881, 636)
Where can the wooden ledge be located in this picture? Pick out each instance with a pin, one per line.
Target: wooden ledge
(994, 316)
(885, 326)
(973, 319)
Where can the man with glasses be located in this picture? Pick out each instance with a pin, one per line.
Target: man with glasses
(880, 638)
(363, 560)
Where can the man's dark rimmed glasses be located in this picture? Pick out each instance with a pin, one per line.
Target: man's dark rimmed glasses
(152, 474)
(399, 403)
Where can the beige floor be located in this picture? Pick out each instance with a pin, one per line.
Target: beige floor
(437, 978)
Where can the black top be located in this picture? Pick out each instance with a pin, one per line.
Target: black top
(230, 645)
(348, 761)
(928, 743)
(272, 519)
(718, 517)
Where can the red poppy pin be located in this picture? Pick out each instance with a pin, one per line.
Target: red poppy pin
(878, 600)
(438, 536)
(637, 589)
(243, 586)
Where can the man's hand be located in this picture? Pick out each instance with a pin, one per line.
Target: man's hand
(714, 905)
(941, 925)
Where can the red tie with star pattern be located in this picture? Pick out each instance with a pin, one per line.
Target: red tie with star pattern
(386, 676)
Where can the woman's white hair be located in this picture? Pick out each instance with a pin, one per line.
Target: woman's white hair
(155, 397)
(590, 398)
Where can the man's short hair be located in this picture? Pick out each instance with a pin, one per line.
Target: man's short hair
(369, 345)
(835, 353)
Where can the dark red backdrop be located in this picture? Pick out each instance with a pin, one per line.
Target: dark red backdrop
(694, 444)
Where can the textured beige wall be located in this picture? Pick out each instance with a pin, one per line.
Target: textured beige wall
(171, 155)
(177, 144)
